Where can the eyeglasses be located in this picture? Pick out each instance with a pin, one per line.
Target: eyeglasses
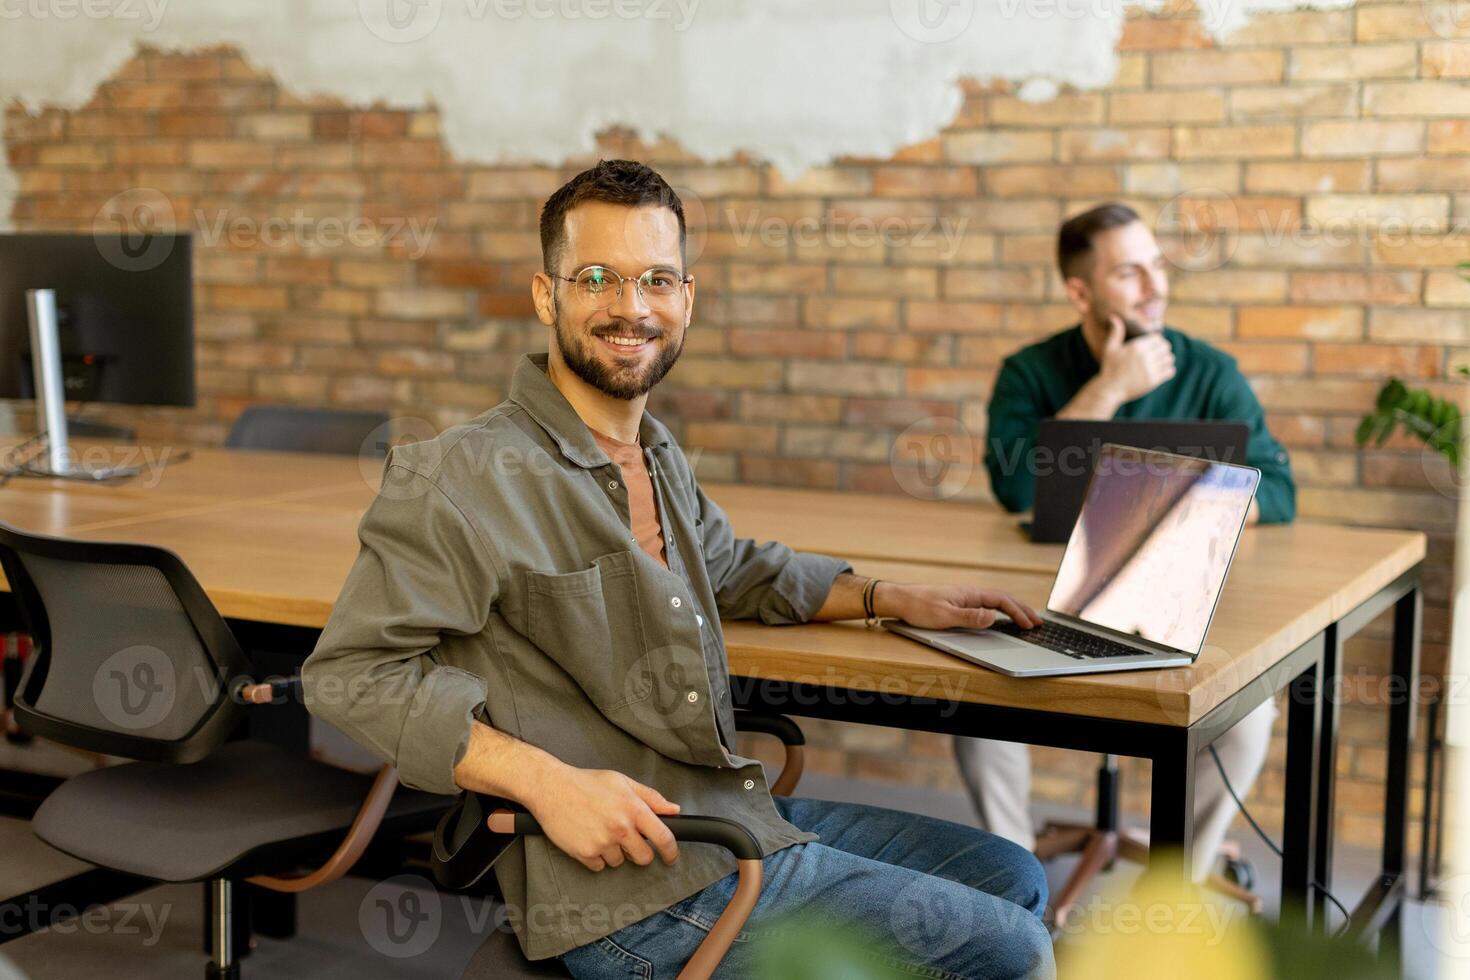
(600, 287)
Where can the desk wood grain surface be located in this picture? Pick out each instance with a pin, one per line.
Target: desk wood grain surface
(272, 535)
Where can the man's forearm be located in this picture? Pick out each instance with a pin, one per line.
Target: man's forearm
(500, 765)
(1094, 400)
(845, 601)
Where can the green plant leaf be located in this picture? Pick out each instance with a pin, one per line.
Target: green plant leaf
(1365, 429)
(1386, 424)
(1391, 394)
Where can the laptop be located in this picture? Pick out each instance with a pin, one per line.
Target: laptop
(1066, 450)
(1141, 575)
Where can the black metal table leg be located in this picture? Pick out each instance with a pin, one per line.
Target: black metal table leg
(1330, 695)
(1298, 846)
(1408, 613)
(1171, 804)
(1428, 828)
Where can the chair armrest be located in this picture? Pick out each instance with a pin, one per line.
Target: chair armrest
(790, 735)
(704, 830)
(359, 835)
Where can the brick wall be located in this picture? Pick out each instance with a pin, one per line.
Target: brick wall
(1311, 176)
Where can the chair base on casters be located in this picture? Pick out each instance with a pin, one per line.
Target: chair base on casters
(1100, 848)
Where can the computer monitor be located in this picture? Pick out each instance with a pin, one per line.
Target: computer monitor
(125, 311)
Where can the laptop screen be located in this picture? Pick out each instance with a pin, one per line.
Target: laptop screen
(1152, 545)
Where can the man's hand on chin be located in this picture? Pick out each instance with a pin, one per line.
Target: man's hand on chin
(946, 606)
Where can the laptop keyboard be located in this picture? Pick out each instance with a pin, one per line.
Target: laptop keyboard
(1069, 642)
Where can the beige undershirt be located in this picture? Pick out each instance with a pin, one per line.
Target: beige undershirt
(642, 509)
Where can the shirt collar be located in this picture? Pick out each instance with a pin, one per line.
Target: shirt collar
(532, 390)
(1086, 361)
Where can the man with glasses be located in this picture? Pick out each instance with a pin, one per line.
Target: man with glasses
(534, 614)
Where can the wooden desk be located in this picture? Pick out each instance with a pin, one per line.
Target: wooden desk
(861, 525)
(272, 535)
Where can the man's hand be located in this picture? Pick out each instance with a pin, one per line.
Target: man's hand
(595, 815)
(1132, 369)
(599, 817)
(944, 606)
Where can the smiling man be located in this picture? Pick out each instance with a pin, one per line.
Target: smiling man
(549, 632)
(1120, 361)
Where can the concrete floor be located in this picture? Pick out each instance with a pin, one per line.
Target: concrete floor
(158, 933)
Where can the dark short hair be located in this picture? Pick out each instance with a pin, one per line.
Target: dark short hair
(1074, 238)
(614, 181)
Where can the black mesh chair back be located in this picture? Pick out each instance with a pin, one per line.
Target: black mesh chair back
(129, 656)
(309, 430)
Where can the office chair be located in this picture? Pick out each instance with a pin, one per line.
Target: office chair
(308, 430)
(473, 835)
(1103, 842)
(130, 658)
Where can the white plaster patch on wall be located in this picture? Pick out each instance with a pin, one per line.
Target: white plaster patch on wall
(796, 82)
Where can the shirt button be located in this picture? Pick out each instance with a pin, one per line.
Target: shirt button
(693, 696)
(676, 602)
(612, 484)
(750, 784)
(699, 619)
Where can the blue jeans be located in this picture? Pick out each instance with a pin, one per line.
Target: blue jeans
(934, 899)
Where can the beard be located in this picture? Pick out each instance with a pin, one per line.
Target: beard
(1135, 323)
(617, 381)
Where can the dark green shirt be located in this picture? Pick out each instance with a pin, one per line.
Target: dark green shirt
(1038, 381)
(498, 572)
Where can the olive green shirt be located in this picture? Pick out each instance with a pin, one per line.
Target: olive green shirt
(1038, 381)
(497, 569)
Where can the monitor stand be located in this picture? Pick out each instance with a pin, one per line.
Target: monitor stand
(51, 399)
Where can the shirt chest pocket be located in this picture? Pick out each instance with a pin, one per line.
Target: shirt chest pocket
(590, 622)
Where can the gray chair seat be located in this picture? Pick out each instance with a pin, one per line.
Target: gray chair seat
(500, 958)
(192, 822)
